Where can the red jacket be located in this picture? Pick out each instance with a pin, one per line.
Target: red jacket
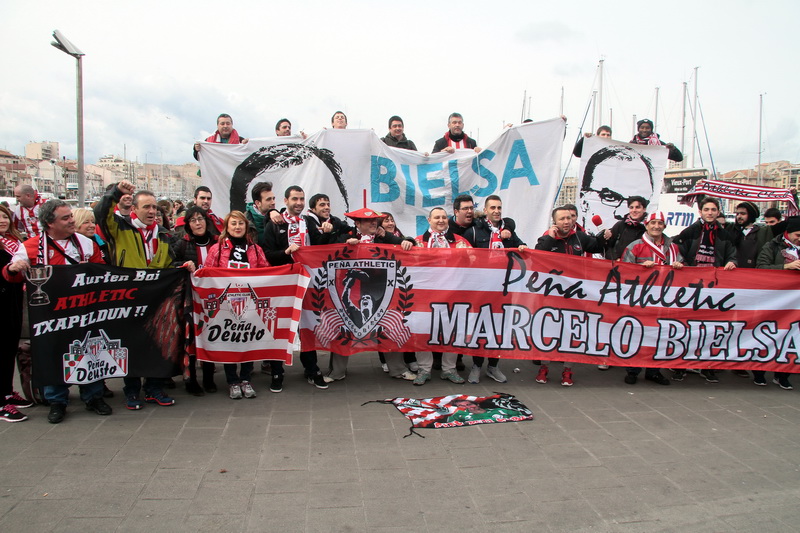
(220, 254)
(90, 253)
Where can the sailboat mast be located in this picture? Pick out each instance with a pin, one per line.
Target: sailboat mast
(694, 116)
(600, 97)
(683, 119)
(760, 115)
(655, 117)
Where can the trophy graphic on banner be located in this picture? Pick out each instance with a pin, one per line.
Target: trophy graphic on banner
(38, 276)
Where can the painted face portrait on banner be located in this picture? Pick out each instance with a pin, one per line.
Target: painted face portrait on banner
(611, 173)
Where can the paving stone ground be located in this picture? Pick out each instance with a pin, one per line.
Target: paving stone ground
(600, 456)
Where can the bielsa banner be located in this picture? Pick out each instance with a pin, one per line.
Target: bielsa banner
(537, 305)
(243, 315)
(521, 166)
(91, 322)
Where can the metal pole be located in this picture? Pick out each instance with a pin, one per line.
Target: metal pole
(81, 174)
(760, 111)
(694, 116)
(683, 120)
(655, 117)
(600, 98)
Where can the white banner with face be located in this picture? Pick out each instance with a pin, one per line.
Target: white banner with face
(354, 168)
(613, 171)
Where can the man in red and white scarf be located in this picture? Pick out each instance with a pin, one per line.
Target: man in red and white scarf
(646, 135)
(26, 213)
(202, 199)
(225, 134)
(455, 138)
(654, 248)
(59, 244)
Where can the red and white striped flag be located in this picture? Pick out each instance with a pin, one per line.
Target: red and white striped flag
(243, 315)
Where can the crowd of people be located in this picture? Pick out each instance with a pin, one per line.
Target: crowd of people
(130, 228)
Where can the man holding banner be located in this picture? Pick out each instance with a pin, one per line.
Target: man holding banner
(59, 244)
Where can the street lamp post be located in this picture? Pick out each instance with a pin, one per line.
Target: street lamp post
(63, 44)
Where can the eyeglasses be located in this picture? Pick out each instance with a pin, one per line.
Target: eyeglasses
(470, 208)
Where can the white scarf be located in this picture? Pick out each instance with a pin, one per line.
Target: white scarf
(437, 239)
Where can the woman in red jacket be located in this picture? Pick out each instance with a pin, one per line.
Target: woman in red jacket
(236, 249)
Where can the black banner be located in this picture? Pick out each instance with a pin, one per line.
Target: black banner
(91, 321)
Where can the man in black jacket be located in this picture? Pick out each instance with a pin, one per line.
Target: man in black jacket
(396, 137)
(280, 242)
(646, 135)
(455, 137)
(628, 230)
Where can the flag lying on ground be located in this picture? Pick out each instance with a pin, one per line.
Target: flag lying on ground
(91, 322)
(743, 192)
(243, 315)
(460, 410)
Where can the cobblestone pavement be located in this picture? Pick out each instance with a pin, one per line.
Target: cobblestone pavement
(600, 456)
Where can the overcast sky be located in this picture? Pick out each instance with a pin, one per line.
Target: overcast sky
(156, 74)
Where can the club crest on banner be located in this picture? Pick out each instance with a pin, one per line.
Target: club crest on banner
(95, 358)
(361, 293)
(240, 300)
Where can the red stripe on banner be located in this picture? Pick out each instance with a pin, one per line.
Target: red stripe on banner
(536, 305)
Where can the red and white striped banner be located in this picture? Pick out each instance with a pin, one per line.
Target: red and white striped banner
(743, 192)
(541, 305)
(245, 315)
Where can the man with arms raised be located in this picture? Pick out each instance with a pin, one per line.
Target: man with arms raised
(225, 134)
(136, 244)
(59, 244)
(646, 135)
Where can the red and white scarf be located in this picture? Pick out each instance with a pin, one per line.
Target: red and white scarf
(659, 256)
(297, 230)
(149, 236)
(10, 245)
(72, 251)
(437, 239)
(456, 144)
(742, 192)
(791, 253)
(651, 139)
(495, 241)
(232, 139)
(365, 239)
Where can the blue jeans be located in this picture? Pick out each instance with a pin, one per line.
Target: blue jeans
(244, 372)
(60, 393)
(133, 386)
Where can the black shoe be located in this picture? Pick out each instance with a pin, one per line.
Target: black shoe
(741, 373)
(782, 382)
(437, 365)
(317, 380)
(57, 413)
(107, 393)
(98, 405)
(194, 388)
(536, 362)
(209, 386)
(460, 363)
(710, 375)
(759, 379)
(678, 375)
(630, 378)
(657, 378)
(277, 383)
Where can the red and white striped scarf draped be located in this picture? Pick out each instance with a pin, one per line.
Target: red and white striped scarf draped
(202, 253)
(72, 251)
(10, 245)
(29, 221)
(217, 138)
(437, 239)
(651, 139)
(742, 192)
(456, 144)
(298, 231)
(791, 253)
(365, 239)
(659, 257)
(495, 241)
(149, 236)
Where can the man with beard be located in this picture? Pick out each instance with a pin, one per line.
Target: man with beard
(262, 209)
(455, 138)
(750, 237)
(280, 242)
(367, 231)
(706, 244)
(653, 248)
(645, 135)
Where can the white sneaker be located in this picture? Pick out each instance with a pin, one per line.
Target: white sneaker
(602, 367)
(495, 373)
(385, 367)
(236, 392)
(249, 391)
(408, 376)
(474, 374)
